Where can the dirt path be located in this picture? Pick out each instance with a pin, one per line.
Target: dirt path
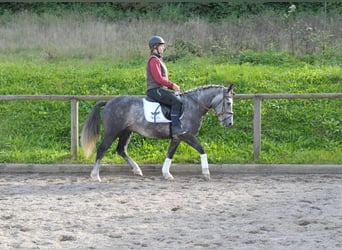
(229, 212)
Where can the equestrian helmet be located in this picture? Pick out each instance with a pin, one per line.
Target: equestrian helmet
(154, 40)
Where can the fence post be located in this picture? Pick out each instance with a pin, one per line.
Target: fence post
(74, 128)
(257, 126)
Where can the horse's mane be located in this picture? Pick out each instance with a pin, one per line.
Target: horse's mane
(203, 88)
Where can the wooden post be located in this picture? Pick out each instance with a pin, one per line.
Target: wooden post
(74, 128)
(257, 126)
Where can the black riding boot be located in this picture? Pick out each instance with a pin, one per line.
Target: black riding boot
(176, 125)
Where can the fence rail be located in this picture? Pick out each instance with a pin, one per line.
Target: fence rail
(75, 99)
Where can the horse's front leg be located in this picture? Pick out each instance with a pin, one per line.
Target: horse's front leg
(167, 163)
(193, 142)
(205, 167)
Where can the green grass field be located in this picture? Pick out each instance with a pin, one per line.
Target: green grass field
(293, 131)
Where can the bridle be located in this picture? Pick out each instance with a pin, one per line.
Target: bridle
(222, 110)
(218, 114)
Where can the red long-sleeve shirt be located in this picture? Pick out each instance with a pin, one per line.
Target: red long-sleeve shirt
(155, 69)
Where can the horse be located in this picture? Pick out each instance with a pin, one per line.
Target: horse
(124, 115)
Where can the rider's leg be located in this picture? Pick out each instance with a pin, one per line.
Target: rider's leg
(167, 97)
(176, 125)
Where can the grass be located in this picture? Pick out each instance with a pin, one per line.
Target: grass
(39, 131)
(83, 55)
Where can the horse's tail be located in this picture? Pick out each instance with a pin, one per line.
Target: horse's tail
(91, 129)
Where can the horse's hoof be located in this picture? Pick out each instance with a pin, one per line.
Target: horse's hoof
(206, 177)
(168, 177)
(138, 172)
(95, 177)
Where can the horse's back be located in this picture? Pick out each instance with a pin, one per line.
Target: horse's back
(124, 102)
(122, 106)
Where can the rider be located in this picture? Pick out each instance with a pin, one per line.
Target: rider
(158, 83)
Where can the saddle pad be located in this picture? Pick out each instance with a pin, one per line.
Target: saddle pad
(153, 112)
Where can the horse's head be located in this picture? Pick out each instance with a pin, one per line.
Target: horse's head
(223, 105)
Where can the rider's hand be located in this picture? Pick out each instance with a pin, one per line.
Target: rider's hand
(176, 88)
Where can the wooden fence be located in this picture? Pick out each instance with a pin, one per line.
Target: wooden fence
(74, 119)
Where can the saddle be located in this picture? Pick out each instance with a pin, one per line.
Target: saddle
(156, 112)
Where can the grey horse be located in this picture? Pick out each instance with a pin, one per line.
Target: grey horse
(123, 115)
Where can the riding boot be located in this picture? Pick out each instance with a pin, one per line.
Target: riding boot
(177, 130)
(176, 125)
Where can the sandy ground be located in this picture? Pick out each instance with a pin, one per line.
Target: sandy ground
(229, 212)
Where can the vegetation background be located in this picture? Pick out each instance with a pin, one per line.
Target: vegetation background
(101, 48)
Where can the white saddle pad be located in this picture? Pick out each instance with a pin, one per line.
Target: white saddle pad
(153, 112)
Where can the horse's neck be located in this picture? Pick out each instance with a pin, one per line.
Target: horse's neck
(206, 96)
(202, 98)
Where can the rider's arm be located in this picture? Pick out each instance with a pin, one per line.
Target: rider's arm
(155, 69)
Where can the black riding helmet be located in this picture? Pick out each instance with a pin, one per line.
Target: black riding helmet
(155, 40)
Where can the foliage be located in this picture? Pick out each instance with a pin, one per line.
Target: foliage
(261, 47)
(214, 11)
(119, 31)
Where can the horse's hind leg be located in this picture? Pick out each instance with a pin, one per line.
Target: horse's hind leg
(103, 147)
(122, 151)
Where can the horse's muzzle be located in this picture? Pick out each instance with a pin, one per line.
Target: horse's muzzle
(228, 124)
(228, 121)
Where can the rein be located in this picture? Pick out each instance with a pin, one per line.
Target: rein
(200, 104)
(206, 108)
